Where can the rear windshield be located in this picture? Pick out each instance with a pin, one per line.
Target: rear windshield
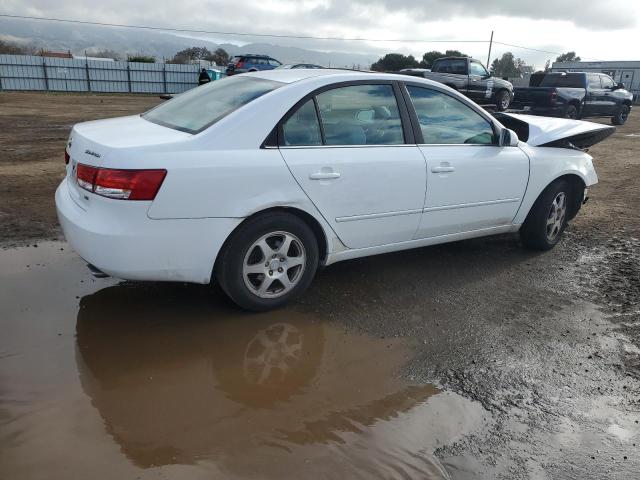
(200, 107)
(569, 80)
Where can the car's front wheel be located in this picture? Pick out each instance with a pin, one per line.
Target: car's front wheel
(547, 219)
(268, 261)
(621, 117)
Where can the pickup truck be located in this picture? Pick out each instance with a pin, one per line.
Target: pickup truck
(574, 95)
(470, 78)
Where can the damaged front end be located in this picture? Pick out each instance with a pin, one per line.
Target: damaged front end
(555, 132)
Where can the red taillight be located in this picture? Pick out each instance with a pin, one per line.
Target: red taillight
(121, 184)
(86, 176)
(66, 157)
(239, 64)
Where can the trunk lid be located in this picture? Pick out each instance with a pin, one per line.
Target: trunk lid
(555, 132)
(94, 143)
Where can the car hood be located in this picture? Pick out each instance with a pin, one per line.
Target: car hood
(555, 132)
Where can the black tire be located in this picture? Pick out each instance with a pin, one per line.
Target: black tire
(535, 229)
(502, 99)
(230, 262)
(621, 117)
(572, 112)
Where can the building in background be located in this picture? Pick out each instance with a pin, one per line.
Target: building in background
(627, 72)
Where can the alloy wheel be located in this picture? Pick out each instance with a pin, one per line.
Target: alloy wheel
(557, 213)
(274, 264)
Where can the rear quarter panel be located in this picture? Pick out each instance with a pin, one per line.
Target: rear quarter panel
(548, 164)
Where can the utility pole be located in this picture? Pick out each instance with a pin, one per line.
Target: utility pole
(489, 56)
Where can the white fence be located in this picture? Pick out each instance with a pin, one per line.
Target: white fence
(25, 72)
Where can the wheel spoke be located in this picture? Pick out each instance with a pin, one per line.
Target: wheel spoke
(286, 283)
(286, 245)
(255, 268)
(264, 286)
(267, 251)
(551, 220)
(294, 262)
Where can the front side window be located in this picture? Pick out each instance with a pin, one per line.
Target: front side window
(360, 115)
(302, 128)
(476, 69)
(607, 82)
(447, 121)
(593, 80)
(200, 107)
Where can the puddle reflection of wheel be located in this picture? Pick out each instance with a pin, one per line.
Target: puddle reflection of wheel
(268, 363)
(272, 353)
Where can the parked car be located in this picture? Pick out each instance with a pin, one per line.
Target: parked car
(574, 95)
(255, 181)
(251, 63)
(469, 77)
(287, 66)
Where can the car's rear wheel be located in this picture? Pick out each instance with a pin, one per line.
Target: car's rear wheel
(503, 99)
(547, 219)
(572, 112)
(268, 261)
(621, 117)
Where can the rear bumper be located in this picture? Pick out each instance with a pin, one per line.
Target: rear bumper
(119, 239)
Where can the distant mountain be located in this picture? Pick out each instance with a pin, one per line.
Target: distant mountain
(80, 38)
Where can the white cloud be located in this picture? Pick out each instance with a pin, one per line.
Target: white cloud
(594, 28)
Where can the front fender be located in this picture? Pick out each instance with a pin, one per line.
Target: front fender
(547, 165)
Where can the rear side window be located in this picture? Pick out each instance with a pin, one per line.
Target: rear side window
(447, 121)
(360, 115)
(302, 128)
(201, 107)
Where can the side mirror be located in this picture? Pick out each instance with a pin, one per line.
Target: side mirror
(509, 138)
(620, 86)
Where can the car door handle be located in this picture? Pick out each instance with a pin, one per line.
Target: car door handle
(324, 175)
(442, 169)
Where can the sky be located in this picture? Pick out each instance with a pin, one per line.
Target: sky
(595, 29)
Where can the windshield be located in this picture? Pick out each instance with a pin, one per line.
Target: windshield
(201, 107)
(569, 80)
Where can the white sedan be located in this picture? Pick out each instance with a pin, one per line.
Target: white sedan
(257, 180)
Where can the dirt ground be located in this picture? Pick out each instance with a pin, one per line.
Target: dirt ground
(477, 359)
(34, 128)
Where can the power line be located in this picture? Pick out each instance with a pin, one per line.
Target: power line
(215, 32)
(267, 35)
(526, 48)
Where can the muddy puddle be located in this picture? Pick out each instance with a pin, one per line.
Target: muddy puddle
(100, 379)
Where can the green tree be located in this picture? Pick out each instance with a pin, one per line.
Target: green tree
(392, 62)
(107, 53)
(220, 56)
(16, 49)
(141, 58)
(568, 57)
(505, 66)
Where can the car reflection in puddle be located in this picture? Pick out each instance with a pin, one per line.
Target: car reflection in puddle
(186, 386)
(182, 380)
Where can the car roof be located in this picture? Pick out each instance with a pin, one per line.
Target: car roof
(333, 75)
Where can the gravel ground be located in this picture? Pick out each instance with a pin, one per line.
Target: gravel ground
(547, 343)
